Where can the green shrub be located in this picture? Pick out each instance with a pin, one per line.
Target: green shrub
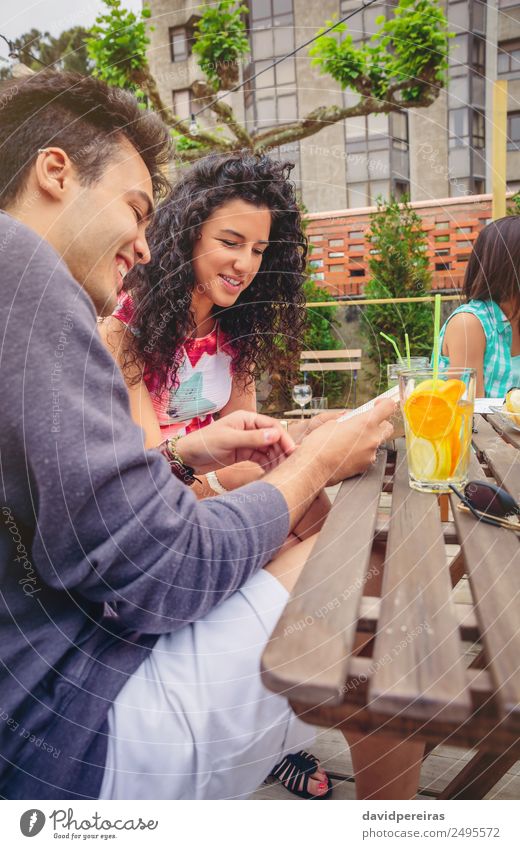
(399, 268)
(513, 205)
(321, 335)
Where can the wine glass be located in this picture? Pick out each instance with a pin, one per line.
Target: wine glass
(301, 394)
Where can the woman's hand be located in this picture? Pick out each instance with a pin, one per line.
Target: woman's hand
(349, 448)
(299, 430)
(239, 436)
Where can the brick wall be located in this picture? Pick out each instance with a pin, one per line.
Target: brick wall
(340, 250)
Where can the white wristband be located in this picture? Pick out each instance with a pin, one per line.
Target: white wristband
(215, 484)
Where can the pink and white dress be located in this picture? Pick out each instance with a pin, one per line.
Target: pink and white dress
(202, 385)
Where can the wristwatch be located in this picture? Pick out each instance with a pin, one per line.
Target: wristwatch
(185, 473)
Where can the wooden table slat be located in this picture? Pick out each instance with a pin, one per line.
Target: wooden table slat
(464, 613)
(477, 681)
(308, 653)
(383, 526)
(418, 633)
(492, 557)
(509, 433)
(502, 458)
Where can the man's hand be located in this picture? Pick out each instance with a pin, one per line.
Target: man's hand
(332, 452)
(299, 430)
(240, 436)
(349, 448)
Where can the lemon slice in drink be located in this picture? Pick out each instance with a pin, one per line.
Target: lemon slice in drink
(429, 460)
(422, 457)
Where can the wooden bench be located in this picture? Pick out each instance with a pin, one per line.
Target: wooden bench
(343, 359)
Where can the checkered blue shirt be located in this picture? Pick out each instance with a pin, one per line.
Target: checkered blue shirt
(501, 370)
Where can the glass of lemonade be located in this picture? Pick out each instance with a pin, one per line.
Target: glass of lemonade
(438, 419)
(393, 369)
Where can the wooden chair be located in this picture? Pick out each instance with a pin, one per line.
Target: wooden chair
(344, 359)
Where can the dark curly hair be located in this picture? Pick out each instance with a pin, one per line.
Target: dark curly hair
(268, 314)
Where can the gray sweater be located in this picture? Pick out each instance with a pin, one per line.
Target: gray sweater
(101, 548)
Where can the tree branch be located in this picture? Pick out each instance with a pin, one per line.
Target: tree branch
(367, 105)
(143, 78)
(316, 120)
(185, 156)
(202, 90)
(427, 81)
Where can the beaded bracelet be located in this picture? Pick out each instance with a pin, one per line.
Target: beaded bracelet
(183, 472)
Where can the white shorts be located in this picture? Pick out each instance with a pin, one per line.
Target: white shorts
(195, 721)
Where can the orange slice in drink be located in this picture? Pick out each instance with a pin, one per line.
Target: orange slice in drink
(430, 409)
(454, 440)
(451, 390)
(429, 415)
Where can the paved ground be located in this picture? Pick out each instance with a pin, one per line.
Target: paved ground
(438, 770)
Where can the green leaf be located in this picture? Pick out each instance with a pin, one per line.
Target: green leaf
(409, 49)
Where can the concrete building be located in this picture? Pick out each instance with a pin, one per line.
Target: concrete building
(442, 151)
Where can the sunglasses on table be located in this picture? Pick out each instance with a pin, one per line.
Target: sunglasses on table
(489, 504)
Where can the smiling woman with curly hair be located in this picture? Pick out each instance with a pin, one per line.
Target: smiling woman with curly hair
(223, 287)
(224, 283)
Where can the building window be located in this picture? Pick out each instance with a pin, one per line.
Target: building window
(271, 98)
(466, 96)
(466, 128)
(509, 57)
(477, 128)
(513, 131)
(182, 105)
(272, 28)
(179, 44)
(458, 127)
(181, 39)
(400, 190)
(478, 54)
(376, 145)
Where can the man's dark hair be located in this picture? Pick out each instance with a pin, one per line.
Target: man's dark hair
(82, 115)
(493, 269)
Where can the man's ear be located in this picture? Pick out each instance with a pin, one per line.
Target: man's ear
(54, 171)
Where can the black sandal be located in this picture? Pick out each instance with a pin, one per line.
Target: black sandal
(290, 771)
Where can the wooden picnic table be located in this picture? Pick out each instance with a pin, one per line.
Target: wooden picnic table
(387, 581)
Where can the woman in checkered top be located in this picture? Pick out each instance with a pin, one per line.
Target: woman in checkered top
(484, 332)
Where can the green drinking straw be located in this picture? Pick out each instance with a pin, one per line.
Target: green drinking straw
(393, 343)
(436, 329)
(407, 344)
